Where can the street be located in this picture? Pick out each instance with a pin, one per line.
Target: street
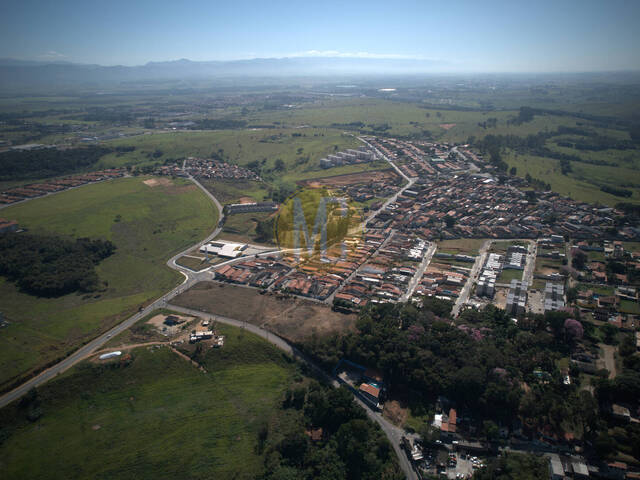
(473, 275)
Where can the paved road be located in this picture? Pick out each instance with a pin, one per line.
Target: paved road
(393, 433)
(530, 265)
(190, 279)
(473, 276)
(473, 168)
(389, 161)
(413, 283)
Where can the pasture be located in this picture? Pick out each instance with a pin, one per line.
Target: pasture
(147, 225)
(157, 417)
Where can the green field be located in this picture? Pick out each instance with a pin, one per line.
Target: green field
(583, 183)
(242, 228)
(147, 225)
(236, 146)
(629, 306)
(159, 417)
(509, 274)
(465, 246)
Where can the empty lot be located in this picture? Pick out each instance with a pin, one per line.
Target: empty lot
(291, 318)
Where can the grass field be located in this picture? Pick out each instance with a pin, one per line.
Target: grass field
(147, 225)
(509, 274)
(237, 146)
(582, 184)
(242, 227)
(159, 417)
(465, 246)
(629, 306)
(547, 266)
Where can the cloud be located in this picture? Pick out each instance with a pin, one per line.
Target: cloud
(52, 55)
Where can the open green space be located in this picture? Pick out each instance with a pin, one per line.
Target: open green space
(233, 191)
(253, 227)
(546, 266)
(597, 289)
(583, 183)
(147, 225)
(155, 417)
(192, 263)
(299, 148)
(465, 246)
(629, 306)
(509, 274)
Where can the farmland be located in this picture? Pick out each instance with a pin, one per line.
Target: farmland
(146, 223)
(118, 422)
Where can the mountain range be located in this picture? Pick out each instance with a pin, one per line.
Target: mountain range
(26, 73)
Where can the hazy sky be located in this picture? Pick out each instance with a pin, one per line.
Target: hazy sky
(474, 35)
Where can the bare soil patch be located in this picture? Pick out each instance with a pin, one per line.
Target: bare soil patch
(350, 179)
(500, 298)
(176, 323)
(447, 126)
(395, 412)
(176, 190)
(156, 182)
(291, 318)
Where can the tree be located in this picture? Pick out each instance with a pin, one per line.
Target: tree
(513, 171)
(449, 221)
(573, 330)
(279, 165)
(490, 430)
(579, 260)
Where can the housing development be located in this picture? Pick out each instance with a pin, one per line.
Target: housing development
(375, 258)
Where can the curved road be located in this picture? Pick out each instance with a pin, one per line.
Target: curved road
(190, 279)
(393, 433)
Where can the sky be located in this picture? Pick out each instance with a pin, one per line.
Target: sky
(459, 35)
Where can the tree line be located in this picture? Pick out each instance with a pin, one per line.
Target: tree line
(480, 365)
(324, 435)
(49, 162)
(51, 266)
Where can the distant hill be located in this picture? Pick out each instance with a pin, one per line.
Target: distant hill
(28, 74)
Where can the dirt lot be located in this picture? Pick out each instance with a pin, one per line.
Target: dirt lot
(158, 323)
(350, 179)
(291, 318)
(500, 299)
(395, 412)
(155, 182)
